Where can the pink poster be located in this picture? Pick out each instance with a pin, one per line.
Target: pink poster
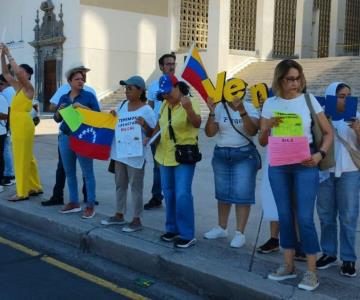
(288, 150)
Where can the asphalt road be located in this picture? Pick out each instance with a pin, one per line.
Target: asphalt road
(35, 267)
(23, 276)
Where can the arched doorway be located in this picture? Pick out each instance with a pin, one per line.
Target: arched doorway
(48, 44)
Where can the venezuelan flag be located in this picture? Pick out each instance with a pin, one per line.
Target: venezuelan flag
(94, 136)
(194, 71)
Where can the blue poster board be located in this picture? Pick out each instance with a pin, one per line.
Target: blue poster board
(349, 112)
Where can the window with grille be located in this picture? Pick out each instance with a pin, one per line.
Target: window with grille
(284, 28)
(352, 27)
(324, 6)
(194, 23)
(243, 25)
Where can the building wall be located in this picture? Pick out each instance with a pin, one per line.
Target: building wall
(116, 44)
(10, 20)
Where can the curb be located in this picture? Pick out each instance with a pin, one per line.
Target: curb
(198, 269)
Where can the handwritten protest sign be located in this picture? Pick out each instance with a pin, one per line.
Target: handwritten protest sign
(72, 117)
(291, 125)
(129, 142)
(288, 150)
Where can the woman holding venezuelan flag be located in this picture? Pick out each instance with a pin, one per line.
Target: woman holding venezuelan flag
(22, 128)
(78, 98)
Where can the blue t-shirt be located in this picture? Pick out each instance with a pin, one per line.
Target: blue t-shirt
(84, 98)
(152, 91)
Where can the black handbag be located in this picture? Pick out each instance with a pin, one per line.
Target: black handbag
(243, 135)
(36, 121)
(184, 154)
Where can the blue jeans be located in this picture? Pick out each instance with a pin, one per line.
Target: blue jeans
(176, 184)
(303, 182)
(9, 166)
(156, 187)
(69, 162)
(339, 196)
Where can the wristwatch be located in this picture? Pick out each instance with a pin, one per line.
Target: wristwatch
(323, 153)
(211, 115)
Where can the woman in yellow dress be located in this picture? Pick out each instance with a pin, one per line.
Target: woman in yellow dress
(22, 128)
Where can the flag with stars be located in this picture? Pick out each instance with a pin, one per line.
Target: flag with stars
(94, 136)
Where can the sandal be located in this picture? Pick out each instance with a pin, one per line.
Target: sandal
(16, 198)
(33, 193)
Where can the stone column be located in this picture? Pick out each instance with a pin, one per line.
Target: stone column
(304, 20)
(337, 27)
(265, 13)
(218, 36)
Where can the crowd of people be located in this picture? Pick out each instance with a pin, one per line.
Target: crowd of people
(170, 118)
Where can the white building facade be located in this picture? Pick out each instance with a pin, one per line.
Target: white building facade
(120, 38)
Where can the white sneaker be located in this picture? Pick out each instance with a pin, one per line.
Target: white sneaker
(238, 241)
(216, 233)
(1, 188)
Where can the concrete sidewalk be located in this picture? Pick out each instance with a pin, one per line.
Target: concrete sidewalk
(211, 268)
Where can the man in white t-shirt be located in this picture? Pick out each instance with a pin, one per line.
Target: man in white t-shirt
(8, 92)
(167, 65)
(57, 197)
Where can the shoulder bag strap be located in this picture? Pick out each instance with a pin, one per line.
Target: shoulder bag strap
(233, 126)
(344, 142)
(171, 129)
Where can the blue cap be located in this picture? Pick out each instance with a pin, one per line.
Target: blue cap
(166, 83)
(134, 80)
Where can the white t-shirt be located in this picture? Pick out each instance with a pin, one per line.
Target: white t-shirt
(227, 136)
(64, 89)
(343, 160)
(126, 116)
(9, 93)
(4, 110)
(152, 96)
(297, 105)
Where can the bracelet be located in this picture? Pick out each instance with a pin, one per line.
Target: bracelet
(211, 115)
(322, 153)
(243, 114)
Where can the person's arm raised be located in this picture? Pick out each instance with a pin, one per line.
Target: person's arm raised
(192, 116)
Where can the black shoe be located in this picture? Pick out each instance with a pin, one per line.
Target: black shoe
(153, 203)
(181, 243)
(300, 255)
(6, 181)
(325, 262)
(271, 245)
(348, 269)
(169, 236)
(53, 201)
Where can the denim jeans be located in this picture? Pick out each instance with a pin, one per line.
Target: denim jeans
(9, 165)
(156, 187)
(304, 182)
(58, 190)
(176, 184)
(69, 162)
(339, 196)
(235, 171)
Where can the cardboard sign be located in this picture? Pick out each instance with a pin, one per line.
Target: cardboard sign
(321, 100)
(72, 117)
(259, 94)
(229, 90)
(290, 126)
(288, 151)
(349, 112)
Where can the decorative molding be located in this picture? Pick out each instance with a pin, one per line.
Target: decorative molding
(48, 44)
